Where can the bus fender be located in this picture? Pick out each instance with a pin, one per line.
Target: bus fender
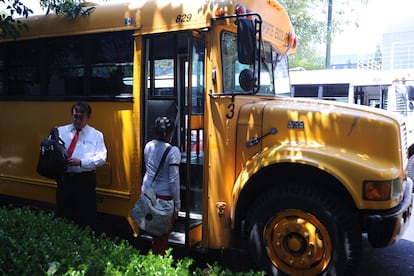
(329, 159)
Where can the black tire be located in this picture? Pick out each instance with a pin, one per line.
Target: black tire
(300, 230)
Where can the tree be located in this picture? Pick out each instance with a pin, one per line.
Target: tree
(11, 27)
(309, 19)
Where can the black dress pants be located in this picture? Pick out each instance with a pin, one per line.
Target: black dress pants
(76, 198)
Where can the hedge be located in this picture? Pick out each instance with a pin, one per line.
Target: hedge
(34, 242)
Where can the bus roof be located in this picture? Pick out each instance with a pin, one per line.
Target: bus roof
(150, 16)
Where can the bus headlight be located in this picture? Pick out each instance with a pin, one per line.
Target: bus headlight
(377, 190)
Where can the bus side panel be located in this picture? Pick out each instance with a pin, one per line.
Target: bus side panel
(220, 174)
(28, 122)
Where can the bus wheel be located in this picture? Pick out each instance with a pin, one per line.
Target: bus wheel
(303, 232)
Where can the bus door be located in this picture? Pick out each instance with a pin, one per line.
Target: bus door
(174, 87)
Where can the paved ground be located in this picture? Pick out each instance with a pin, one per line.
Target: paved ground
(395, 260)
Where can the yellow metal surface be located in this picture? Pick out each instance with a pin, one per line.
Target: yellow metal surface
(105, 18)
(162, 16)
(117, 181)
(339, 139)
(342, 140)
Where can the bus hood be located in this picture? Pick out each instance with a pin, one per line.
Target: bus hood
(341, 127)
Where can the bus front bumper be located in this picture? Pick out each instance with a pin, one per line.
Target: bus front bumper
(388, 227)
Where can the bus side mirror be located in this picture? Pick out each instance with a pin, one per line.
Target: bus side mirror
(246, 41)
(247, 80)
(410, 92)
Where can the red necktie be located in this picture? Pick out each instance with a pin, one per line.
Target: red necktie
(73, 143)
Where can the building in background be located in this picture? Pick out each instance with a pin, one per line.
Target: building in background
(396, 52)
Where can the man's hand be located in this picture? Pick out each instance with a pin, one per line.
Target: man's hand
(73, 161)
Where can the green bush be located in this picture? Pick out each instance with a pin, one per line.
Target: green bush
(38, 243)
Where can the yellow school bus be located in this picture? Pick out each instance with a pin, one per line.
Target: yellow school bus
(294, 182)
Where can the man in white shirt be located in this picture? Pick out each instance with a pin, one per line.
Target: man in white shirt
(76, 194)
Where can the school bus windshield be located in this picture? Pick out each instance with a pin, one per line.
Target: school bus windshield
(273, 70)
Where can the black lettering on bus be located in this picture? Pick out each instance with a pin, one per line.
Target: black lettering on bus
(183, 18)
(230, 115)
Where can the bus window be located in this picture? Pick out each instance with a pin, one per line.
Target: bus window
(305, 91)
(198, 78)
(374, 103)
(266, 71)
(21, 73)
(273, 69)
(65, 71)
(98, 65)
(281, 74)
(335, 92)
(111, 64)
(231, 66)
(163, 78)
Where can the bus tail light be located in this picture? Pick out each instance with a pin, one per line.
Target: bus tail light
(219, 12)
(377, 190)
(240, 9)
(295, 42)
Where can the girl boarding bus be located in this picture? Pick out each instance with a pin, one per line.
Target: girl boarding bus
(293, 182)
